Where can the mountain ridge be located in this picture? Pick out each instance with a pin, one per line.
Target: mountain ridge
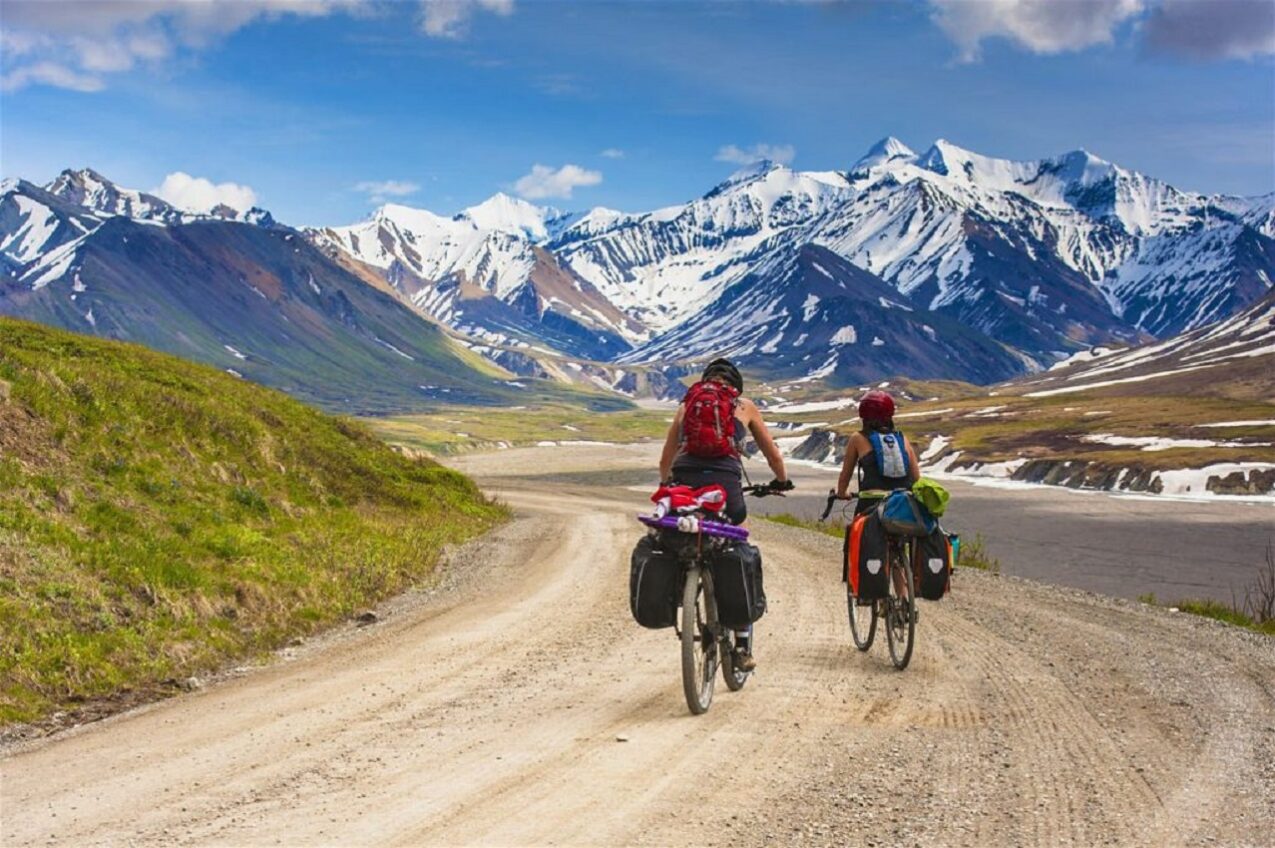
(1044, 257)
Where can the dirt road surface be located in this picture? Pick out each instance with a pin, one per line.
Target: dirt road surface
(517, 704)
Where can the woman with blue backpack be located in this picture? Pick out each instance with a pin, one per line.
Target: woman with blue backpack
(883, 457)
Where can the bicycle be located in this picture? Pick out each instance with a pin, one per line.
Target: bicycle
(705, 641)
(898, 608)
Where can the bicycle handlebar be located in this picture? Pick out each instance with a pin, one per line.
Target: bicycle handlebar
(762, 490)
(833, 498)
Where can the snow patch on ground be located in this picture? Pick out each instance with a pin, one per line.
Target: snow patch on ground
(814, 406)
(1266, 423)
(1194, 481)
(1160, 443)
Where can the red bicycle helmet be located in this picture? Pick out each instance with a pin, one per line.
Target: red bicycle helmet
(876, 406)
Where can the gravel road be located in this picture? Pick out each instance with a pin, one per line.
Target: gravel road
(491, 708)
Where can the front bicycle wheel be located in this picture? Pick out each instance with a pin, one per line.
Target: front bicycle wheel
(900, 621)
(863, 620)
(699, 646)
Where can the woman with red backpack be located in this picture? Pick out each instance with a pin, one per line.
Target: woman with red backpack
(706, 439)
(704, 447)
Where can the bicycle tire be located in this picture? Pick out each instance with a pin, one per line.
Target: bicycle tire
(862, 632)
(735, 679)
(699, 648)
(900, 625)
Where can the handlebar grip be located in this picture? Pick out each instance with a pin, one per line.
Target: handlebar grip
(827, 510)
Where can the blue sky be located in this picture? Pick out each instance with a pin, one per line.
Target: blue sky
(324, 114)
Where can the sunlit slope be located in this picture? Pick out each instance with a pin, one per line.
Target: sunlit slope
(158, 518)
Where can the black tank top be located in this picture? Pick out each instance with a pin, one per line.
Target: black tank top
(871, 478)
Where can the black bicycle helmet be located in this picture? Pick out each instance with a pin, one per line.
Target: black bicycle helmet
(725, 369)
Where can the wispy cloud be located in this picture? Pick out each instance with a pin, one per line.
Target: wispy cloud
(75, 44)
(450, 18)
(378, 191)
(78, 44)
(1212, 29)
(200, 195)
(780, 153)
(612, 153)
(1041, 26)
(545, 182)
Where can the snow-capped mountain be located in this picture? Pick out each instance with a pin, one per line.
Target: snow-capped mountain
(258, 301)
(42, 228)
(1236, 352)
(1004, 264)
(665, 266)
(483, 272)
(807, 313)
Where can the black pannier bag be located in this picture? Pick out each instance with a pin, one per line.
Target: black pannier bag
(933, 565)
(737, 585)
(655, 584)
(865, 553)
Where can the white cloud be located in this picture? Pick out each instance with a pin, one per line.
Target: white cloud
(544, 182)
(1041, 26)
(780, 153)
(200, 195)
(379, 190)
(75, 43)
(48, 73)
(612, 153)
(450, 18)
(1212, 29)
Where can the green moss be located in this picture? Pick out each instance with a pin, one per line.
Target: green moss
(159, 519)
(827, 528)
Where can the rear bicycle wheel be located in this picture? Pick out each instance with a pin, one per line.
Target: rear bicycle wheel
(863, 620)
(699, 646)
(735, 679)
(900, 622)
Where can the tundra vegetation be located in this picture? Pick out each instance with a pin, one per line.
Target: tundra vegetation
(159, 519)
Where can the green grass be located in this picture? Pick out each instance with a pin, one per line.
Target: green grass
(827, 528)
(1216, 610)
(460, 429)
(159, 519)
(974, 555)
(1224, 612)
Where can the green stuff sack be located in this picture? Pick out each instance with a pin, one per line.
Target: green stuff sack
(931, 495)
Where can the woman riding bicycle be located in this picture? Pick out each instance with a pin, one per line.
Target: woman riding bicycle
(684, 462)
(893, 466)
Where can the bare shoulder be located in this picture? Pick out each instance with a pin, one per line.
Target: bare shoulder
(747, 411)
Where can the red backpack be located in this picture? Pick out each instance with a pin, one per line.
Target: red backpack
(708, 424)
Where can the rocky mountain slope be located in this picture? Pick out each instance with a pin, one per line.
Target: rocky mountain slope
(1007, 267)
(257, 301)
(1047, 256)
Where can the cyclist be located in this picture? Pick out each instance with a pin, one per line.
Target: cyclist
(883, 456)
(894, 467)
(682, 463)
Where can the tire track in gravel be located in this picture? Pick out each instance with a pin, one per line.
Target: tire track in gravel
(488, 713)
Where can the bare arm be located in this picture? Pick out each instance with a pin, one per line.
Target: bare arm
(765, 443)
(914, 464)
(671, 443)
(847, 468)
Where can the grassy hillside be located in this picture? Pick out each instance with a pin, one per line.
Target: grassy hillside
(158, 518)
(460, 429)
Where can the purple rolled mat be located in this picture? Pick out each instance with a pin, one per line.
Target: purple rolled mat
(708, 528)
